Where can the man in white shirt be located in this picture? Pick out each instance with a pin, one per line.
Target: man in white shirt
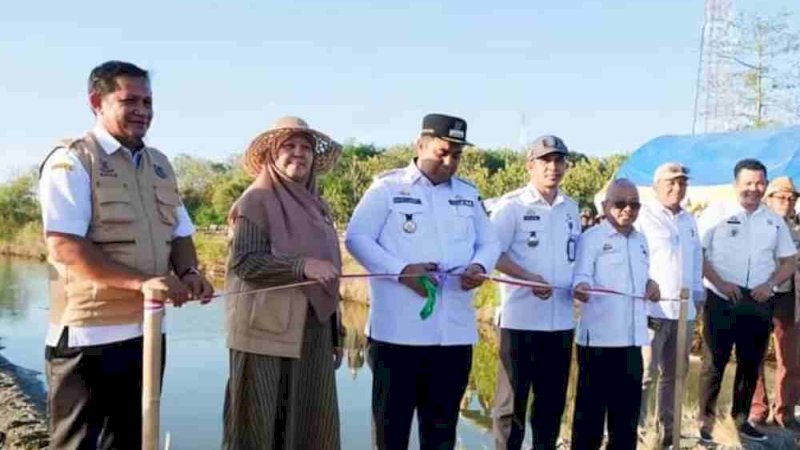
(538, 227)
(425, 223)
(115, 227)
(747, 251)
(612, 327)
(676, 262)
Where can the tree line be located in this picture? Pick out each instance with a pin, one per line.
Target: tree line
(209, 188)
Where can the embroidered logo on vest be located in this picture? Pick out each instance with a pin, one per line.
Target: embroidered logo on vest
(160, 171)
(106, 170)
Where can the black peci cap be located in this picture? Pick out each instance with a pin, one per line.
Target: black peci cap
(448, 128)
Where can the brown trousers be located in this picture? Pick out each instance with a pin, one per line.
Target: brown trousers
(787, 376)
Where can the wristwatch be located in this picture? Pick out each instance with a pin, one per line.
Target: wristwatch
(192, 270)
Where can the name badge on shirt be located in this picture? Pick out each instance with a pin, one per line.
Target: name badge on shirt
(461, 202)
(530, 216)
(411, 200)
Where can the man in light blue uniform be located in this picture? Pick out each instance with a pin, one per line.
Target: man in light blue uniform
(612, 328)
(423, 222)
(538, 228)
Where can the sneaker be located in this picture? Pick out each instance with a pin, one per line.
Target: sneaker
(748, 432)
(705, 435)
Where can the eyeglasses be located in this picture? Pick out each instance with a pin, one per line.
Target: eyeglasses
(622, 204)
(784, 198)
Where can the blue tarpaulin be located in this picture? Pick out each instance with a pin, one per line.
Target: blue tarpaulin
(711, 157)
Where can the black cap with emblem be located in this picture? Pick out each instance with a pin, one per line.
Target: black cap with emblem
(448, 128)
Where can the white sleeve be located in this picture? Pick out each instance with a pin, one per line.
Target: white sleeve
(584, 261)
(504, 224)
(364, 229)
(786, 247)
(487, 247)
(184, 226)
(706, 225)
(65, 194)
(698, 266)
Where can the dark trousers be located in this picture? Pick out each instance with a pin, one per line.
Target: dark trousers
(744, 324)
(609, 383)
(538, 361)
(95, 395)
(429, 379)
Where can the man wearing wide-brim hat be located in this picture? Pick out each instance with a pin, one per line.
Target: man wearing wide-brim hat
(781, 197)
(428, 225)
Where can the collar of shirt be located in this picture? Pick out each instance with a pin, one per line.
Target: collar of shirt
(610, 231)
(532, 195)
(658, 206)
(735, 208)
(109, 143)
(413, 175)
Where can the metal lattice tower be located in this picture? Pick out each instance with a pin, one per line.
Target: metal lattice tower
(715, 102)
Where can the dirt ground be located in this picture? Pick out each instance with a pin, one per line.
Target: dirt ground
(22, 420)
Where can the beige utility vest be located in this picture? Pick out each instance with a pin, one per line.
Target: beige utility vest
(134, 211)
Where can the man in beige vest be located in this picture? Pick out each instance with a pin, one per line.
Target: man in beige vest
(115, 226)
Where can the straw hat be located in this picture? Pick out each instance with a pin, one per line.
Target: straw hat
(781, 184)
(326, 150)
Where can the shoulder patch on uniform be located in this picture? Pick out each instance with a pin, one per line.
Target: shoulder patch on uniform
(387, 173)
(63, 165)
(512, 194)
(467, 182)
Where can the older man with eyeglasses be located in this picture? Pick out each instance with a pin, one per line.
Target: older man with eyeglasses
(781, 197)
(613, 326)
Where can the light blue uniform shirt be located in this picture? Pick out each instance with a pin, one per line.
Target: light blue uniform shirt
(608, 259)
(404, 219)
(541, 238)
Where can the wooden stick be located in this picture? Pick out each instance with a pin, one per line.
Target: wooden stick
(680, 368)
(151, 375)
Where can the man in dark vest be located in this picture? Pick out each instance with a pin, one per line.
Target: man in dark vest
(115, 226)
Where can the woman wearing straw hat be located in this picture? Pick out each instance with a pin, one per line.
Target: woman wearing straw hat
(281, 391)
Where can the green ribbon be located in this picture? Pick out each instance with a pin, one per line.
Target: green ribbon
(430, 300)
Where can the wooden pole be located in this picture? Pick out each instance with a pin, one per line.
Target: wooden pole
(680, 368)
(151, 375)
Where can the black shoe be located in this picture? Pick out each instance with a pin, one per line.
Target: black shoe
(751, 434)
(705, 435)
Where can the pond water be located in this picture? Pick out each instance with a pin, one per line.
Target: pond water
(197, 366)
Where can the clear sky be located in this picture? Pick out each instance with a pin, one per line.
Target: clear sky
(606, 76)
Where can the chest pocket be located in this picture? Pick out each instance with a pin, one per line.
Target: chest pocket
(463, 223)
(610, 268)
(114, 205)
(168, 201)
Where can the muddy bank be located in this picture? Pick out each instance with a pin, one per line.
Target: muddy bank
(22, 406)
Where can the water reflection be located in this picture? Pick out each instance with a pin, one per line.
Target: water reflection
(476, 406)
(197, 366)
